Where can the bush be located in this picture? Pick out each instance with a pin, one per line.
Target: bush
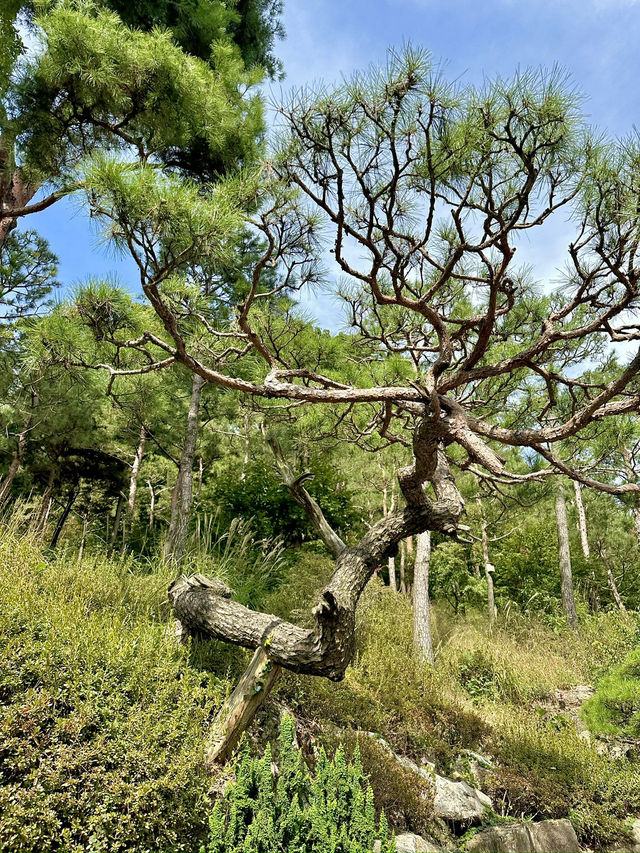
(545, 770)
(263, 813)
(102, 716)
(614, 709)
(406, 800)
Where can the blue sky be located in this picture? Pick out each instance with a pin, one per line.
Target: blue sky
(596, 41)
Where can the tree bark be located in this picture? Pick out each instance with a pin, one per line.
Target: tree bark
(610, 578)
(582, 520)
(239, 709)
(182, 498)
(135, 471)
(116, 526)
(564, 558)
(422, 640)
(323, 529)
(15, 193)
(488, 566)
(63, 517)
(328, 647)
(83, 541)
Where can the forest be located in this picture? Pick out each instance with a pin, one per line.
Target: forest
(271, 586)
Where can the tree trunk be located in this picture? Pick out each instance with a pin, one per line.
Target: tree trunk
(239, 709)
(403, 584)
(582, 520)
(610, 578)
(135, 471)
(204, 605)
(323, 529)
(83, 541)
(15, 193)
(63, 517)
(152, 503)
(182, 498)
(564, 558)
(422, 641)
(18, 457)
(116, 526)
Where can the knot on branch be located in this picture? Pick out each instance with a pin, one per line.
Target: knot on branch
(184, 583)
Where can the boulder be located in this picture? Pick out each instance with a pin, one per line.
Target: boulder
(408, 842)
(543, 837)
(457, 802)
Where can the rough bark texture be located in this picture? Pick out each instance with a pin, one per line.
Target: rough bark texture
(238, 711)
(328, 647)
(422, 640)
(15, 194)
(176, 542)
(564, 558)
(325, 532)
(582, 520)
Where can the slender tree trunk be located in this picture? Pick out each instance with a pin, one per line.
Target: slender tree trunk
(182, 498)
(422, 640)
(391, 562)
(135, 472)
(63, 517)
(116, 526)
(152, 504)
(239, 709)
(45, 505)
(83, 541)
(564, 558)
(21, 448)
(403, 558)
(582, 520)
(245, 461)
(299, 493)
(488, 566)
(610, 578)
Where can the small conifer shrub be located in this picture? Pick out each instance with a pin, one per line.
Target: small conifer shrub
(294, 812)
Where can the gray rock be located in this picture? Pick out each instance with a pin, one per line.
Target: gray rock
(454, 801)
(410, 843)
(458, 801)
(543, 837)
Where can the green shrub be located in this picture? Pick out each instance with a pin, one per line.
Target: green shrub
(406, 800)
(102, 715)
(614, 709)
(545, 770)
(293, 811)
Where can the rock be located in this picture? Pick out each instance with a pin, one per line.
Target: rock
(547, 835)
(457, 802)
(410, 843)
